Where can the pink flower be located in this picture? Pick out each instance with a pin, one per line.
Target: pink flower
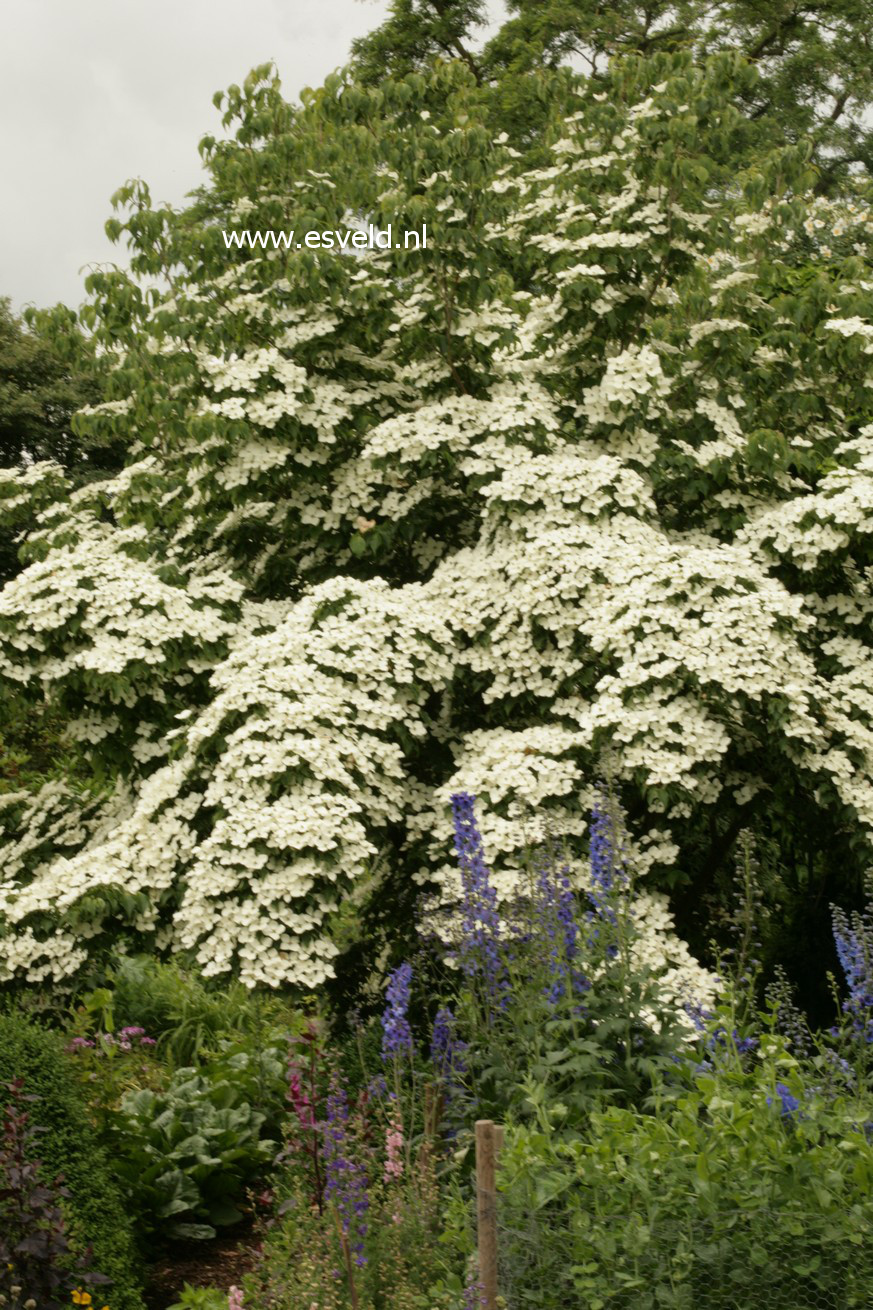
(234, 1298)
(393, 1151)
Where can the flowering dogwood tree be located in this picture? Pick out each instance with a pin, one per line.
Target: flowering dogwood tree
(589, 481)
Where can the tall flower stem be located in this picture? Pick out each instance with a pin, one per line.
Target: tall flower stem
(347, 1257)
(609, 895)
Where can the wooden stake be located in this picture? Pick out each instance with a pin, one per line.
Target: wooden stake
(486, 1208)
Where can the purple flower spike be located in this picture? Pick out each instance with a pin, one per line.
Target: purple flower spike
(474, 1296)
(346, 1182)
(480, 948)
(608, 872)
(853, 937)
(446, 1049)
(555, 911)
(396, 1033)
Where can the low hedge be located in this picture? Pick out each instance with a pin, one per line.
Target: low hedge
(96, 1212)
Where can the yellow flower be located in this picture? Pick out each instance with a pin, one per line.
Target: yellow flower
(80, 1297)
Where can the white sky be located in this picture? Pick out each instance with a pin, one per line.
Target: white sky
(93, 92)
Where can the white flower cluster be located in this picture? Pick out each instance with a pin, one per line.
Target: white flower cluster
(93, 609)
(631, 376)
(29, 495)
(449, 534)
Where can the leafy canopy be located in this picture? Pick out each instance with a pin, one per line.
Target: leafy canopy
(815, 73)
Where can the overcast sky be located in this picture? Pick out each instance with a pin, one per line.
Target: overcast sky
(93, 92)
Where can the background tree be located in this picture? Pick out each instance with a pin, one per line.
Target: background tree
(48, 370)
(815, 60)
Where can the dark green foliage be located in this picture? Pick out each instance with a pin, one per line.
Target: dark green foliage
(416, 32)
(39, 391)
(32, 745)
(97, 1216)
(48, 371)
(186, 1154)
(816, 75)
(36, 1258)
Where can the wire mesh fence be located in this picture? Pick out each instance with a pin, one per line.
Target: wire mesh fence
(724, 1261)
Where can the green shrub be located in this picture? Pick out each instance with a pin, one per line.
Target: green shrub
(191, 1122)
(187, 1153)
(745, 1187)
(38, 1266)
(189, 1017)
(96, 1211)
